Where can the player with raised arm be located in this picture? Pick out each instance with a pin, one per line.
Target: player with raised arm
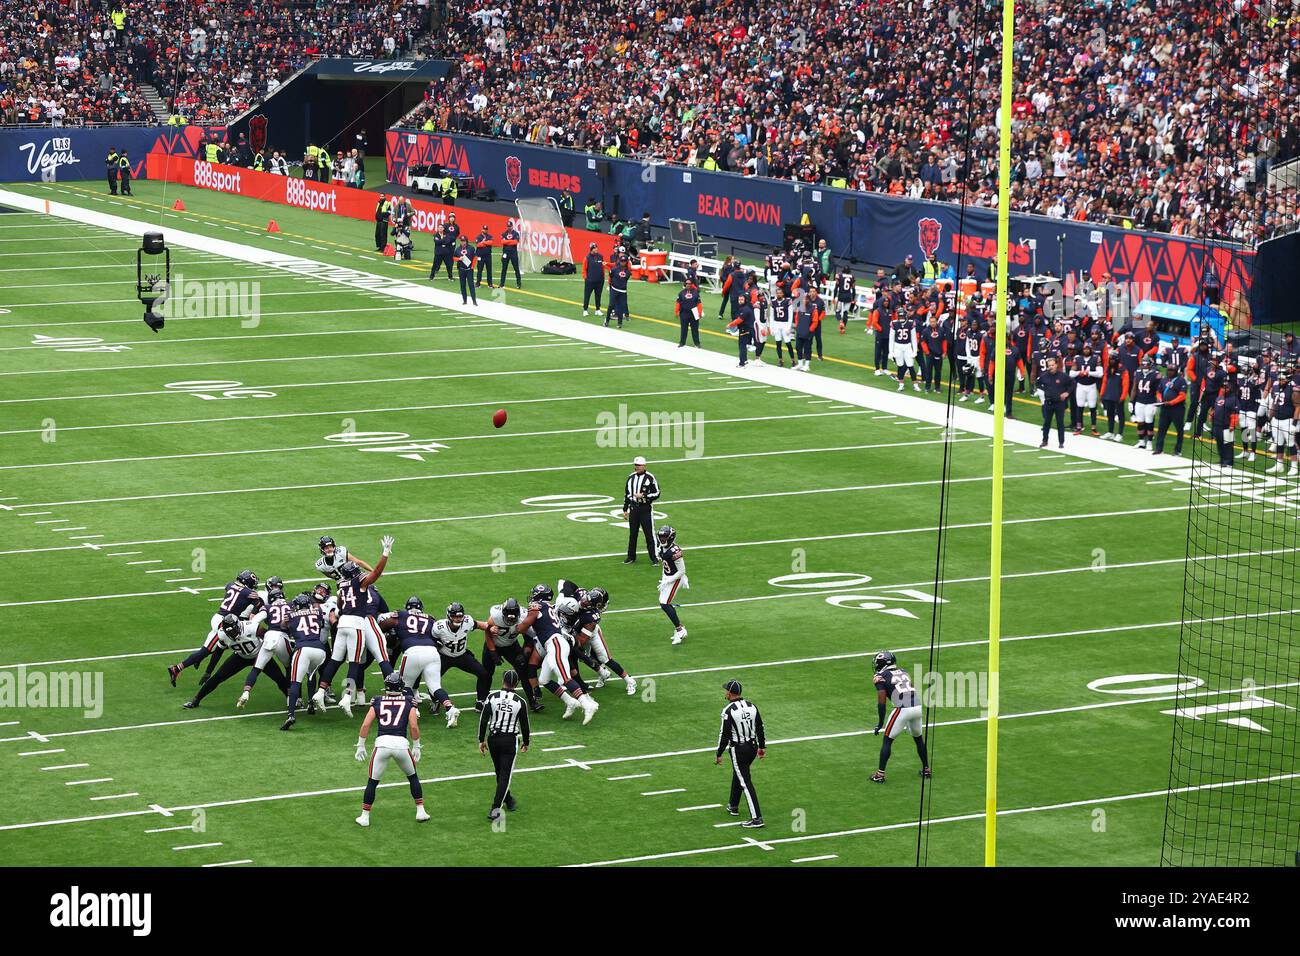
(673, 577)
(419, 654)
(893, 684)
(358, 632)
(394, 713)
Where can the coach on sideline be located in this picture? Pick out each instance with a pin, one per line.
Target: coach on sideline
(639, 496)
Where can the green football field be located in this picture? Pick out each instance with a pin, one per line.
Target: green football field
(140, 472)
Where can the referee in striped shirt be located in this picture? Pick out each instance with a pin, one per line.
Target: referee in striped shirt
(742, 735)
(639, 496)
(504, 716)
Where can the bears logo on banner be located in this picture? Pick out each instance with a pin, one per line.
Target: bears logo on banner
(257, 132)
(514, 172)
(928, 232)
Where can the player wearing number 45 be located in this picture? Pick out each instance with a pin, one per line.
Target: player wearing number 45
(395, 713)
(893, 684)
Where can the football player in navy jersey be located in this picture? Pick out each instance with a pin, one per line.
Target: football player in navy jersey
(1146, 392)
(417, 645)
(358, 631)
(591, 639)
(1251, 391)
(1284, 406)
(395, 715)
(894, 685)
(1223, 418)
(240, 601)
(673, 577)
(242, 639)
(553, 651)
(276, 647)
(306, 628)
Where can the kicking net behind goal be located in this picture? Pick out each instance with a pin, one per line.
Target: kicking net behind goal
(542, 236)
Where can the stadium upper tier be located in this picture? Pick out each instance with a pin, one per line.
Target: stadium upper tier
(1167, 114)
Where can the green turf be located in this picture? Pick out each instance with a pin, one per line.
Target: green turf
(786, 483)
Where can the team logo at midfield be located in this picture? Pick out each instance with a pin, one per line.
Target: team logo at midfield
(514, 172)
(927, 235)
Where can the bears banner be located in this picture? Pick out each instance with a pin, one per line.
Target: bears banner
(427, 217)
(883, 230)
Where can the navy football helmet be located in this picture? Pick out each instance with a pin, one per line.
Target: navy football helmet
(413, 603)
(542, 592)
(884, 659)
(247, 578)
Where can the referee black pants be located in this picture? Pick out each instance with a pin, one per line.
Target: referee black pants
(503, 748)
(742, 756)
(639, 521)
(492, 655)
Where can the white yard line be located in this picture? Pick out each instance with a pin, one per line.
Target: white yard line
(660, 793)
(958, 818)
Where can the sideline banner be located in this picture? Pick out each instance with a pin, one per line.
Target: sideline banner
(428, 217)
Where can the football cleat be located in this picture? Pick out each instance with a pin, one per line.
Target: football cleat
(288, 724)
(631, 685)
(495, 813)
(172, 672)
(536, 706)
(421, 814)
(190, 704)
(243, 700)
(359, 698)
(511, 803)
(588, 709)
(363, 820)
(734, 811)
(345, 703)
(679, 635)
(569, 708)
(453, 717)
(925, 772)
(319, 699)
(602, 675)
(878, 776)
(754, 824)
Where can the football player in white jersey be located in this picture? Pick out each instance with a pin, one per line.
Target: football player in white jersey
(452, 634)
(243, 640)
(502, 644)
(333, 556)
(673, 577)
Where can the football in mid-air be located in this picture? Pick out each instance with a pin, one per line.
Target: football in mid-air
(499, 417)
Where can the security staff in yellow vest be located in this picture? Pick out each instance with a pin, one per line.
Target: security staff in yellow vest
(929, 272)
(259, 161)
(383, 209)
(124, 171)
(212, 152)
(612, 150)
(118, 17)
(111, 168)
(839, 182)
(566, 208)
(428, 126)
(710, 163)
(176, 119)
(450, 190)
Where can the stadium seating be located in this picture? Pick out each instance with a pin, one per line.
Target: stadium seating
(1123, 113)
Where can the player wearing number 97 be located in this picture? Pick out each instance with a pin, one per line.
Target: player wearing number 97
(418, 647)
(394, 712)
(358, 631)
(893, 684)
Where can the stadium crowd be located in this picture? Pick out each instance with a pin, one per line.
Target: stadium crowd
(1124, 112)
(67, 62)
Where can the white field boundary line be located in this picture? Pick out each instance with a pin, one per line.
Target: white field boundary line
(606, 761)
(548, 510)
(864, 396)
(325, 289)
(496, 402)
(495, 436)
(622, 464)
(843, 536)
(336, 383)
(957, 818)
